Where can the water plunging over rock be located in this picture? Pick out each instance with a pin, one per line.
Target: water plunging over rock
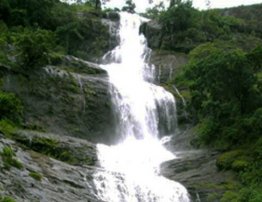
(130, 169)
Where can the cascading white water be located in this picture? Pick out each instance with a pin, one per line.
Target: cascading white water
(130, 170)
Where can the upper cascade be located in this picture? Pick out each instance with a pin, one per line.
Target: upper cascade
(139, 101)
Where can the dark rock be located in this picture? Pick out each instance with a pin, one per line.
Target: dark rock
(196, 169)
(112, 22)
(78, 65)
(167, 63)
(69, 99)
(152, 31)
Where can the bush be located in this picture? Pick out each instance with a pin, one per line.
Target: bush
(6, 199)
(225, 160)
(229, 196)
(7, 127)
(34, 47)
(10, 107)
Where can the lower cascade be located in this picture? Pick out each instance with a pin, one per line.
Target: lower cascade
(130, 170)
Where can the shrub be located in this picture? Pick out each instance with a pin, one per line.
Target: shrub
(6, 199)
(7, 127)
(34, 47)
(230, 196)
(240, 165)
(225, 160)
(10, 107)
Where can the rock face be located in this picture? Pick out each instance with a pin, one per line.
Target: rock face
(71, 98)
(45, 179)
(167, 63)
(152, 31)
(196, 169)
(112, 22)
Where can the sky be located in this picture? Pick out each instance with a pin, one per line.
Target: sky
(201, 4)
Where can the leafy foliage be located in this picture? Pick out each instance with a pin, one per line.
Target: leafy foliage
(34, 47)
(225, 102)
(184, 27)
(129, 7)
(10, 107)
(225, 93)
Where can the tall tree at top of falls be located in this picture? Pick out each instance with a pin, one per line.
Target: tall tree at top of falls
(129, 7)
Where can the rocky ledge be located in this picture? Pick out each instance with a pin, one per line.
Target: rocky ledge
(44, 167)
(197, 170)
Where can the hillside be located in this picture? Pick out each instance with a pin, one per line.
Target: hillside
(221, 86)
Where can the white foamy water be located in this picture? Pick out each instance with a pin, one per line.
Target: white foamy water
(130, 169)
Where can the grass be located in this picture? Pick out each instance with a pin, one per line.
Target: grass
(6, 199)
(8, 159)
(36, 176)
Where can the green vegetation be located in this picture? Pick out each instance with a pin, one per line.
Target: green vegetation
(10, 107)
(129, 7)
(34, 34)
(6, 199)
(7, 127)
(36, 176)
(36, 29)
(184, 27)
(54, 149)
(222, 84)
(8, 158)
(225, 104)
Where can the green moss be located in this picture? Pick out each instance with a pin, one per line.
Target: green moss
(240, 165)
(7, 127)
(6, 199)
(36, 176)
(54, 149)
(230, 196)
(213, 197)
(8, 158)
(225, 160)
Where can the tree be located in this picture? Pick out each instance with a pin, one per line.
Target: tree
(178, 17)
(224, 92)
(129, 7)
(94, 3)
(34, 48)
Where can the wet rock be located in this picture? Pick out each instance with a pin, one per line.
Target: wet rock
(196, 169)
(112, 22)
(167, 63)
(71, 98)
(152, 31)
(59, 181)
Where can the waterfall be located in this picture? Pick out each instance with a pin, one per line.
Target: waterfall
(130, 170)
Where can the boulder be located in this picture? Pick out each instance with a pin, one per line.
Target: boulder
(152, 31)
